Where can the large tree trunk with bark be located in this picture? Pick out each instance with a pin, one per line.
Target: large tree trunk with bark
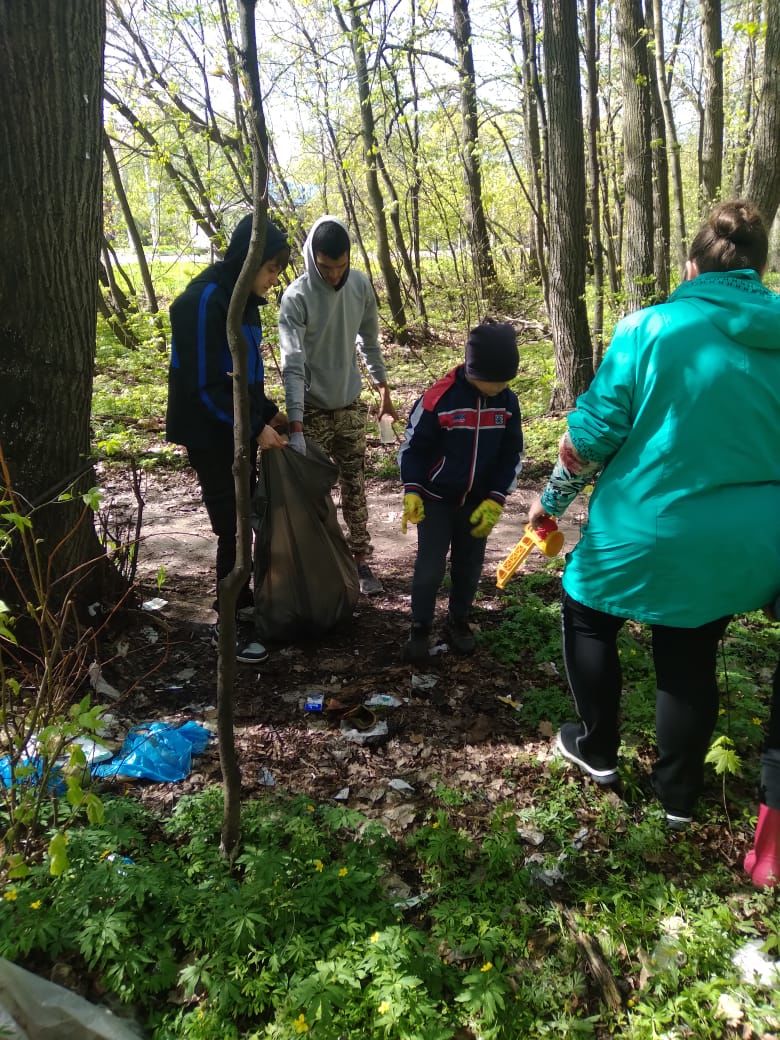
(638, 178)
(764, 180)
(51, 165)
(566, 302)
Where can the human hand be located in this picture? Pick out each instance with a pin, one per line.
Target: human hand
(269, 438)
(537, 514)
(568, 456)
(414, 510)
(297, 442)
(386, 405)
(279, 422)
(485, 517)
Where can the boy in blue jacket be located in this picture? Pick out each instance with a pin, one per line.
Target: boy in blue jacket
(460, 459)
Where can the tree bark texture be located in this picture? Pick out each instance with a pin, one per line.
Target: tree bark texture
(566, 303)
(594, 199)
(472, 168)
(371, 154)
(638, 166)
(50, 220)
(712, 116)
(672, 143)
(764, 180)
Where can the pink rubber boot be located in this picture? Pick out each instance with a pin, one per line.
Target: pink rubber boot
(763, 860)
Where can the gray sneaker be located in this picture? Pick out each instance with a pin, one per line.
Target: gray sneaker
(370, 585)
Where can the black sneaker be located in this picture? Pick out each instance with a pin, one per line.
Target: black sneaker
(370, 585)
(567, 744)
(415, 649)
(248, 649)
(459, 635)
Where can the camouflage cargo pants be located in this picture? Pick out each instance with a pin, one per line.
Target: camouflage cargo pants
(342, 433)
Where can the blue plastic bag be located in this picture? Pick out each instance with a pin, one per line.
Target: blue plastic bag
(157, 751)
(35, 763)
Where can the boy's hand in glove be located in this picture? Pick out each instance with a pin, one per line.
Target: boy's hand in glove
(414, 510)
(485, 517)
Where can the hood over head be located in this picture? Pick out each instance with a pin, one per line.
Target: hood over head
(227, 270)
(738, 305)
(310, 264)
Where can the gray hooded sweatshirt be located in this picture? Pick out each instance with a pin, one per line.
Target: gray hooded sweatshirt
(319, 329)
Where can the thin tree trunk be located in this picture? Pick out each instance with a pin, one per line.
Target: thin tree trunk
(356, 33)
(230, 586)
(472, 167)
(594, 131)
(660, 154)
(132, 227)
(566, 304)
(535, 122)
(638, 236)
(673, 145)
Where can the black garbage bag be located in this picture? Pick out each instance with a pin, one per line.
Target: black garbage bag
(306, 580)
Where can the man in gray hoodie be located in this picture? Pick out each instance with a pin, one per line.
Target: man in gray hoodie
(324, 317)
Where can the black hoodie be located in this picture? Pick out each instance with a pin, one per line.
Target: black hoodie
(200, 389)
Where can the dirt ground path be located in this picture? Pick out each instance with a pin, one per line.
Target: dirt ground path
(455, 731)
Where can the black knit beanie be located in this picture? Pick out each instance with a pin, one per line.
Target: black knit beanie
(491, 352)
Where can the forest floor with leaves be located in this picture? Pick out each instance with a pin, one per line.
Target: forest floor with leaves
(471, 732)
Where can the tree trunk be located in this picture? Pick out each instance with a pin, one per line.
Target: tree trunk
(660, 155)
(472, 167)
(132, 229)
(637, 178)
(566, 304)
(535, 123)
(764, 180)
(357, 34)
(712, 121)
(594, 132)
(50, 220)
(673, 145)
(230, 586)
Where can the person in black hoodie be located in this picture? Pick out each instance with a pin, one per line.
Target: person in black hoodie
(200, 391)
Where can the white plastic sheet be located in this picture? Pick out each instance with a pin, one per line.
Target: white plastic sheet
(32, 1008)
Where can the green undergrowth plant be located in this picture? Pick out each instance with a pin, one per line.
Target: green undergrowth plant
(305, 936)
(45, 716)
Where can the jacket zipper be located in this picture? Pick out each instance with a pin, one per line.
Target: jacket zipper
(476, 449)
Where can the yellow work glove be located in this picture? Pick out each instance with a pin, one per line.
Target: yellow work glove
(414, 510)
(485, 517)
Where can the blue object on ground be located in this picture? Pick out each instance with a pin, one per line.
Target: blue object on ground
(32, 768)
(157, 751)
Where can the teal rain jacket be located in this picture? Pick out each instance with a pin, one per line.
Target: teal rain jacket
(684, 414)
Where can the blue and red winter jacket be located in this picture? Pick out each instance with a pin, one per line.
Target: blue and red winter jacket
(460, 444)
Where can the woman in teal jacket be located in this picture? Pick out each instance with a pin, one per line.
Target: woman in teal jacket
(683, 531)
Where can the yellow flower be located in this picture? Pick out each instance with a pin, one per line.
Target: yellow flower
(343, 871)
(11, 895)
(36, 905)
(757, 722)
(300, 1025)
(435, 826)
(374, 937)
(383, 1008)
(309, 808)
(319, 866)
(487, 966)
